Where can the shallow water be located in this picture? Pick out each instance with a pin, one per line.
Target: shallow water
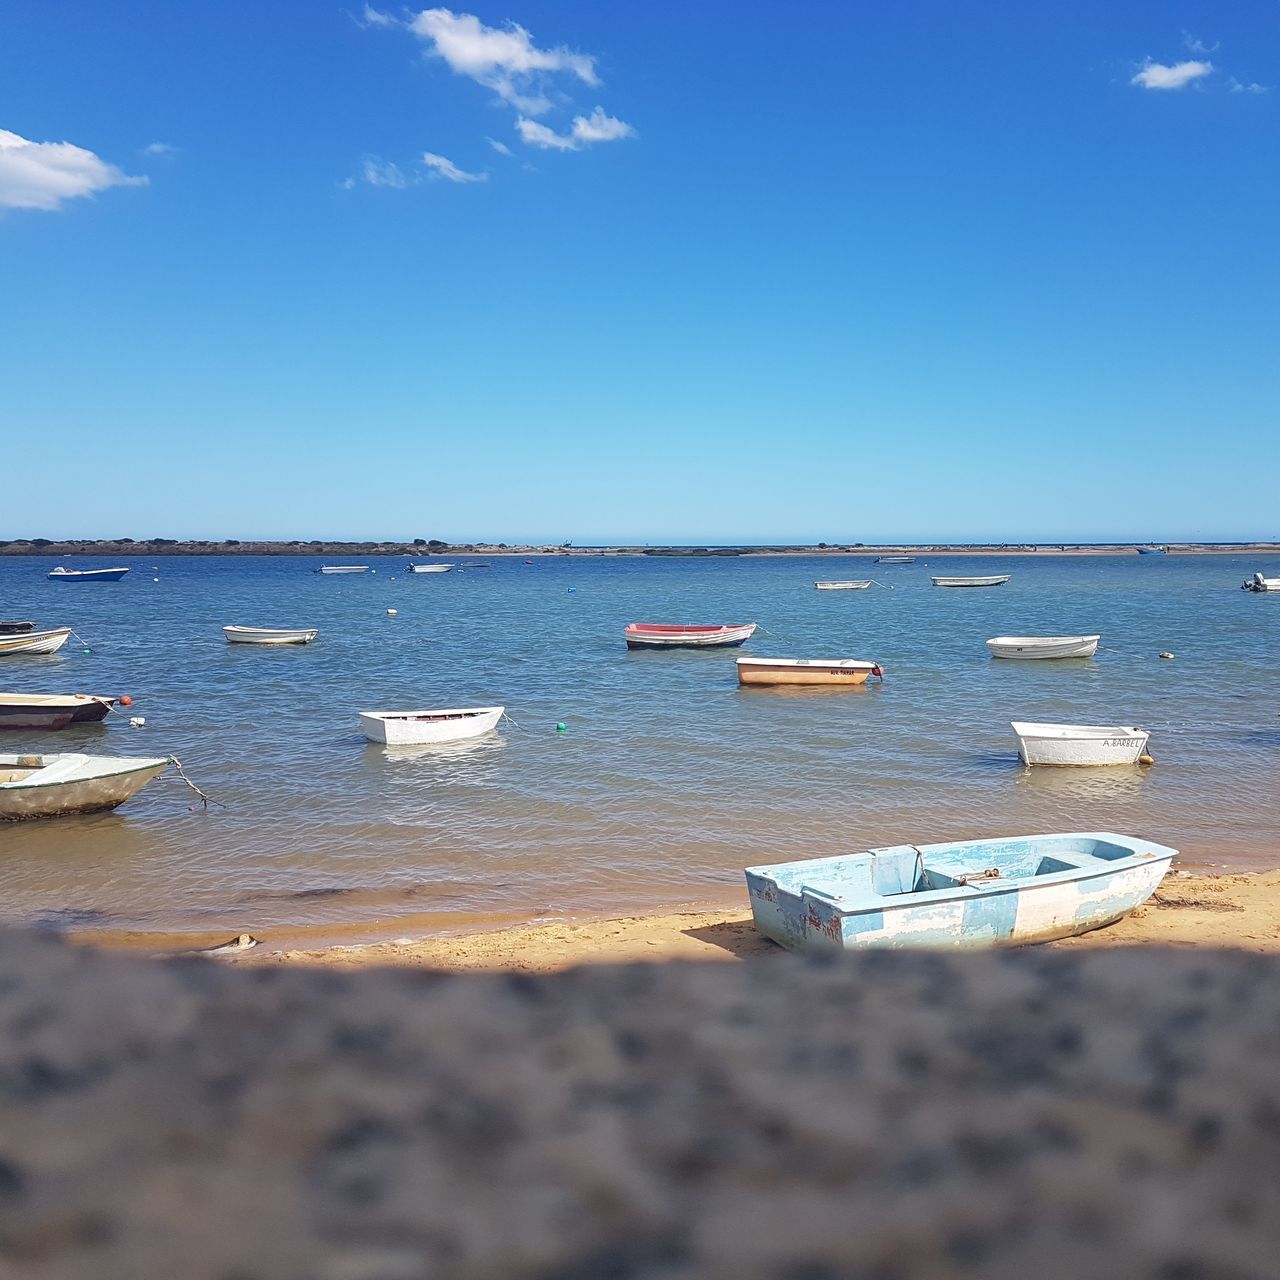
(668, 779)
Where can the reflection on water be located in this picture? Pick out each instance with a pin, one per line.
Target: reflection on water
(669, 777)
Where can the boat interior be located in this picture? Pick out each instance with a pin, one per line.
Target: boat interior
(905, 869)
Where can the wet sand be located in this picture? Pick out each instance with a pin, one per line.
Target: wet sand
(1240, 911)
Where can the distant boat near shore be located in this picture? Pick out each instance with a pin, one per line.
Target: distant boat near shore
(269, 635)
(895, 559)
(343, 568)
(86, 575)
(1079, 744)
(661, 635)
(1043, 646)
(843, 586)
(430, 568)
(35, 641)
(992, 580)
(1256, 583)
(845, 672)
(416, 728)
(1152, 551)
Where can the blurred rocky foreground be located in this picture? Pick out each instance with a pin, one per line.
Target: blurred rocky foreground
(1026, 1114)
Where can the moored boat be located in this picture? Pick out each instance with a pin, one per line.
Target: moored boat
(1043, 646)
(660, 635)
(87, 575)
(404, 728)
(992, 580)
(343, 568)
(895, 559)
(269, 635)
(1079, 744)
(45, 786)
(430, 568)
(1152, 551)
(843, 586)
(51, 711)
(972, 893)
(35, 641)
(1259, 583)
(844, 672)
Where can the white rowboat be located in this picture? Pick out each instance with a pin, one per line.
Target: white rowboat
(46, 786)
(1259, 583)
(343, 568)
(87, 575)
(1043, 646)
(1079, 744)
(35, 641)
(663, 635)
(995, 580)
(268, 635)
(430, 568)
(404, 728)
(843, 586)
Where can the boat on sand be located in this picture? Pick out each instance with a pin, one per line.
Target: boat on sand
(269, 635)
(1043, 646)
(843, 672)
(35, 641)
(661, 635)
(45, 786)
(404, 728)
(1079, 744)
(87, 575)
(972, 893)
(992, 580)
(51, 711)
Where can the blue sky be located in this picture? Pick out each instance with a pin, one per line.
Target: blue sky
(733, 272)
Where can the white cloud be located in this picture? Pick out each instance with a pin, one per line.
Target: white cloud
(1155, 75)
(1237, 86)
(1197, 46)
(597, 127)
(504, 59)
(160, 149)
(41, 175)
(373, 18)
(378, 173)
(500, 147)
(443, 168)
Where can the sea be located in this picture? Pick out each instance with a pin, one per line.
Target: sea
(620, 782)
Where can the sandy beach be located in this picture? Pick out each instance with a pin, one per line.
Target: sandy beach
(1240, 911)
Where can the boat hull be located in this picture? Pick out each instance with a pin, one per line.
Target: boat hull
(1050, 887)
(343, 568)
(1079, 745)
(21, 802)
(430, 568)
(842, 586)
(1260, 584)
(417, 728)
(994, 580)
(660, 636)
(267, 635)
(895, 560)
(19, 711)
(842, 673)
(87, 575)
(35, 641)
(1029, 648)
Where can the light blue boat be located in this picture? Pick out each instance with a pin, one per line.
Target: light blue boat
(973, 893)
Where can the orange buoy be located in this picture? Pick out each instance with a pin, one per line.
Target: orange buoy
(125, 700)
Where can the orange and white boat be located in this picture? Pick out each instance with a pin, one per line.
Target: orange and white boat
(844, 672)
(659, 635)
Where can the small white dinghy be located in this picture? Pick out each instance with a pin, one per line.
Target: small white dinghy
(46, 786)
(269, 635)
(843, 586)
(430, 568)
(1043, 646)
(412, 728)
(86, 575)
(35, 641)
(994, 580)
(343, 568)
(1079, 744)
(1259, 583)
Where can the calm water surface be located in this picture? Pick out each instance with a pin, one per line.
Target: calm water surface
(668, 779)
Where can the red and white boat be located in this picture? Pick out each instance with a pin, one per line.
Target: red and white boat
(658, 635)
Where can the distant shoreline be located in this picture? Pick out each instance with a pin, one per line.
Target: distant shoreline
(118, 549)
